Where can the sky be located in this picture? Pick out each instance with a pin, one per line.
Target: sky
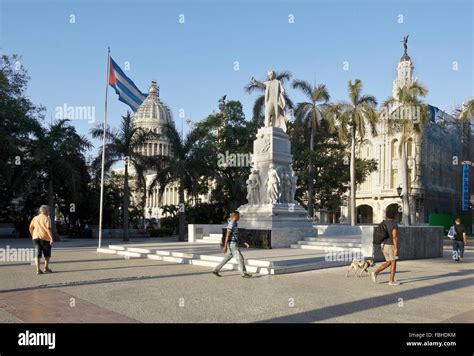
(220, 45)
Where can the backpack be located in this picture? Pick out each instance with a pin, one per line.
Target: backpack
(380, 233)
(452, 233)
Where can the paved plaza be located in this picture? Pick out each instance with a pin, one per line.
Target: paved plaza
(87, 286)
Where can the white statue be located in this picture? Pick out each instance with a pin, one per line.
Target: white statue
(273, 185)
(294, 181)
(253, 188)
(274, 101)
(288, 188)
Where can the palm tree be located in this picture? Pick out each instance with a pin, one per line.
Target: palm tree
(310, 114)
(259, 105)
(55, 152)
(407, 114)
(123, 145)
(350, 119)
(466, 113)
(186, 164)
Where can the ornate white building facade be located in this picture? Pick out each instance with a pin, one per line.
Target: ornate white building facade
(433, 182)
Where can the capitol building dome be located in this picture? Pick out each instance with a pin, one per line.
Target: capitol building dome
(152, 111)
(151, 115)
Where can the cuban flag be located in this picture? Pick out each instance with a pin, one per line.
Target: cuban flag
(124, 87)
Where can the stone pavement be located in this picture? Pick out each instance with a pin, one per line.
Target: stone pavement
(112, 288)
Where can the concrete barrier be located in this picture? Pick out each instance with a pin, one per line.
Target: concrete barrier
(414, 242)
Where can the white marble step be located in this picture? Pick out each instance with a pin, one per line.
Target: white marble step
(117, 247)
(203, 241)
(129, 254)
(107, 250)
(330, 244)
(326, 248)
(211, 238)
(348, 238)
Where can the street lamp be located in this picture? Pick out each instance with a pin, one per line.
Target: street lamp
(399, 191)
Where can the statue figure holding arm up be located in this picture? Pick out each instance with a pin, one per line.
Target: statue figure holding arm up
(274, 101)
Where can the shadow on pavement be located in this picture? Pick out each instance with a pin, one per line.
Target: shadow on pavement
(339, 310)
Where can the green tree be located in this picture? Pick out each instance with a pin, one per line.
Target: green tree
(123, 145)
(310, 114)
(228, 135)
(56, 152)
(407, 114)
(350, 119)
(186, 165)
(330, 172)
(466, 113)
(20, 188)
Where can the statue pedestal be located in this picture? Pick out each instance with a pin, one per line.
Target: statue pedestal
(287, 219)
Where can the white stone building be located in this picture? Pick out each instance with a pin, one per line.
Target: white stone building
(433, 180)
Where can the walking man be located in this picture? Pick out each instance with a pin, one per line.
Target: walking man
(40, 231)
(460, 240)
(389, 249)
(231, 247)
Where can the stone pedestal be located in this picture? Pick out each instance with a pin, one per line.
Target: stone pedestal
(287, 220)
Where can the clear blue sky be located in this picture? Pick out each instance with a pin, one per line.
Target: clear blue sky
(194, 62)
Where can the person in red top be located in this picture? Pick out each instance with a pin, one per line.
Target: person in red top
(40, 231)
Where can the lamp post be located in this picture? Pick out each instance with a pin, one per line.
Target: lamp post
(416, 193)
(400, 192)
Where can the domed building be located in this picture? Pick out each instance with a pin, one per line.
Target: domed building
(152, 115)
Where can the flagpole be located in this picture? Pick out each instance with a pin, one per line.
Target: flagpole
(103, 151)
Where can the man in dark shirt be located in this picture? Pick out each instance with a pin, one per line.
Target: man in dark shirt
(389, 249)
(459, 241)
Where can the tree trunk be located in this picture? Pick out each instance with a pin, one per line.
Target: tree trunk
(353, 178)
(126, 203)
(404, 175)
(181, 212)
(52, 210)
(310, 170)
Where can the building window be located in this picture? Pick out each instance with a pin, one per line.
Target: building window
(394, 178)
(410, 148)
(394, 149)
